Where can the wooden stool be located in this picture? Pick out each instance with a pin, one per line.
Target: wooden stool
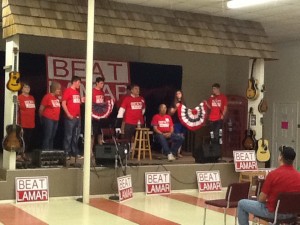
(142, 143)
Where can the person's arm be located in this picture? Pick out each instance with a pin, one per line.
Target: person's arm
(65, 108)
(172, 111)
(262, 197)
(156, 130)
(121, 112)
(41, 110)
(224, 112)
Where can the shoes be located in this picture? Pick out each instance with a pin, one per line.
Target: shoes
(179, 155)
(171, 157)
(79, 157)
(68, 157)
(19, 158)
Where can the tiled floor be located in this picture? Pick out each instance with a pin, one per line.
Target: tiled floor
(180, 207)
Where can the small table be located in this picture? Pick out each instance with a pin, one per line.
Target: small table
(142, 143)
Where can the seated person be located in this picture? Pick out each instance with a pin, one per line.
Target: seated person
(164, 131)
(283, 179)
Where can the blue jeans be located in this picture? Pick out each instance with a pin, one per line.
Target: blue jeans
(49, 128)
(257, 208)
(176, 140)
(72, 132)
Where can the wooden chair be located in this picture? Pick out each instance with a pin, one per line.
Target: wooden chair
(235, 192)
(258, 188)
(287, 203)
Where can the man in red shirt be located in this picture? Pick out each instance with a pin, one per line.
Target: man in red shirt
(133, 106)
(163, 128)
(98, 101)
(217, 104)
(283, 179)
(71, 105)
(26, 117)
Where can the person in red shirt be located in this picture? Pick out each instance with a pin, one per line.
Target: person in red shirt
(217, 104)
(163, 128)
(283, 179)
(132, 109)
(98, 100)
(49, 112)
(26, 117)
(71, 105)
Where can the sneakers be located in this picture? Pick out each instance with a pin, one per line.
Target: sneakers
(171, 157)
(79, 157)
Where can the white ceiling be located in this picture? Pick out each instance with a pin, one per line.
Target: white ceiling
(280, 18)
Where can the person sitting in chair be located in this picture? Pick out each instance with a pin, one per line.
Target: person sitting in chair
(163, 128)
(283, 179)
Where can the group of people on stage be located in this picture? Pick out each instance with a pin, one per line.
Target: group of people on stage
(168, 130)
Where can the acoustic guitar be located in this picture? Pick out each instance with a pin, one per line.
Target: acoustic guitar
(252, 92)
(263, 152)
(263, 105)
(13, 141)
(249, 142)
(14, 84)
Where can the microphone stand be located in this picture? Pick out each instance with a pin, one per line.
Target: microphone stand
(117, 156)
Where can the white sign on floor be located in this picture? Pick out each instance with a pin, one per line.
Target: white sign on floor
(125, 188)
(157, 183)
(209, 181)
(32, 189)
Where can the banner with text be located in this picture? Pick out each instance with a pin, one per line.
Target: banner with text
(158, 183)
(245, 160)
(209, 181)
(32, 189)
(116, 74)
(125, 188)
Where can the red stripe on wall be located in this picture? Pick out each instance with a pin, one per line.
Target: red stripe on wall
(12, 215)
(126, 212)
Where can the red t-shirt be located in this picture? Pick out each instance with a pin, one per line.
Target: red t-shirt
(26, 111)
(283, 179)
(133, 109)
(163, 123)
(52, 107)
(217, 104)
(72, 98)
(98, 96)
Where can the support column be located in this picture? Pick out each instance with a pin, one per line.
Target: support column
(9, 158)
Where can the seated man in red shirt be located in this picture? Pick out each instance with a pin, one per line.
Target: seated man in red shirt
(164, 131)
(283, 179)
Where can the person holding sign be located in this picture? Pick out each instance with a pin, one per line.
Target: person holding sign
(217, 104)
(163, 128)
(283, 179)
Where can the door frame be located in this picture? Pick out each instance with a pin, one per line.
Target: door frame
(275, 144)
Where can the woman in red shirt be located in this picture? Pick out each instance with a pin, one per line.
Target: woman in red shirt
(26, 117)
(49, 112)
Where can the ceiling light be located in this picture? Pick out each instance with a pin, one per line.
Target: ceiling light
(233, 4)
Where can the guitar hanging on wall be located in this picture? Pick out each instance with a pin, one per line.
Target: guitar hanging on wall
(263, 105)
(14, 83)
(263, 152)
(249, 141)
(13, 141)
(252, 92)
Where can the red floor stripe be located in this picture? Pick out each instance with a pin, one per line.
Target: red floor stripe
(197, 202)
(12, 215)
(128, 213)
